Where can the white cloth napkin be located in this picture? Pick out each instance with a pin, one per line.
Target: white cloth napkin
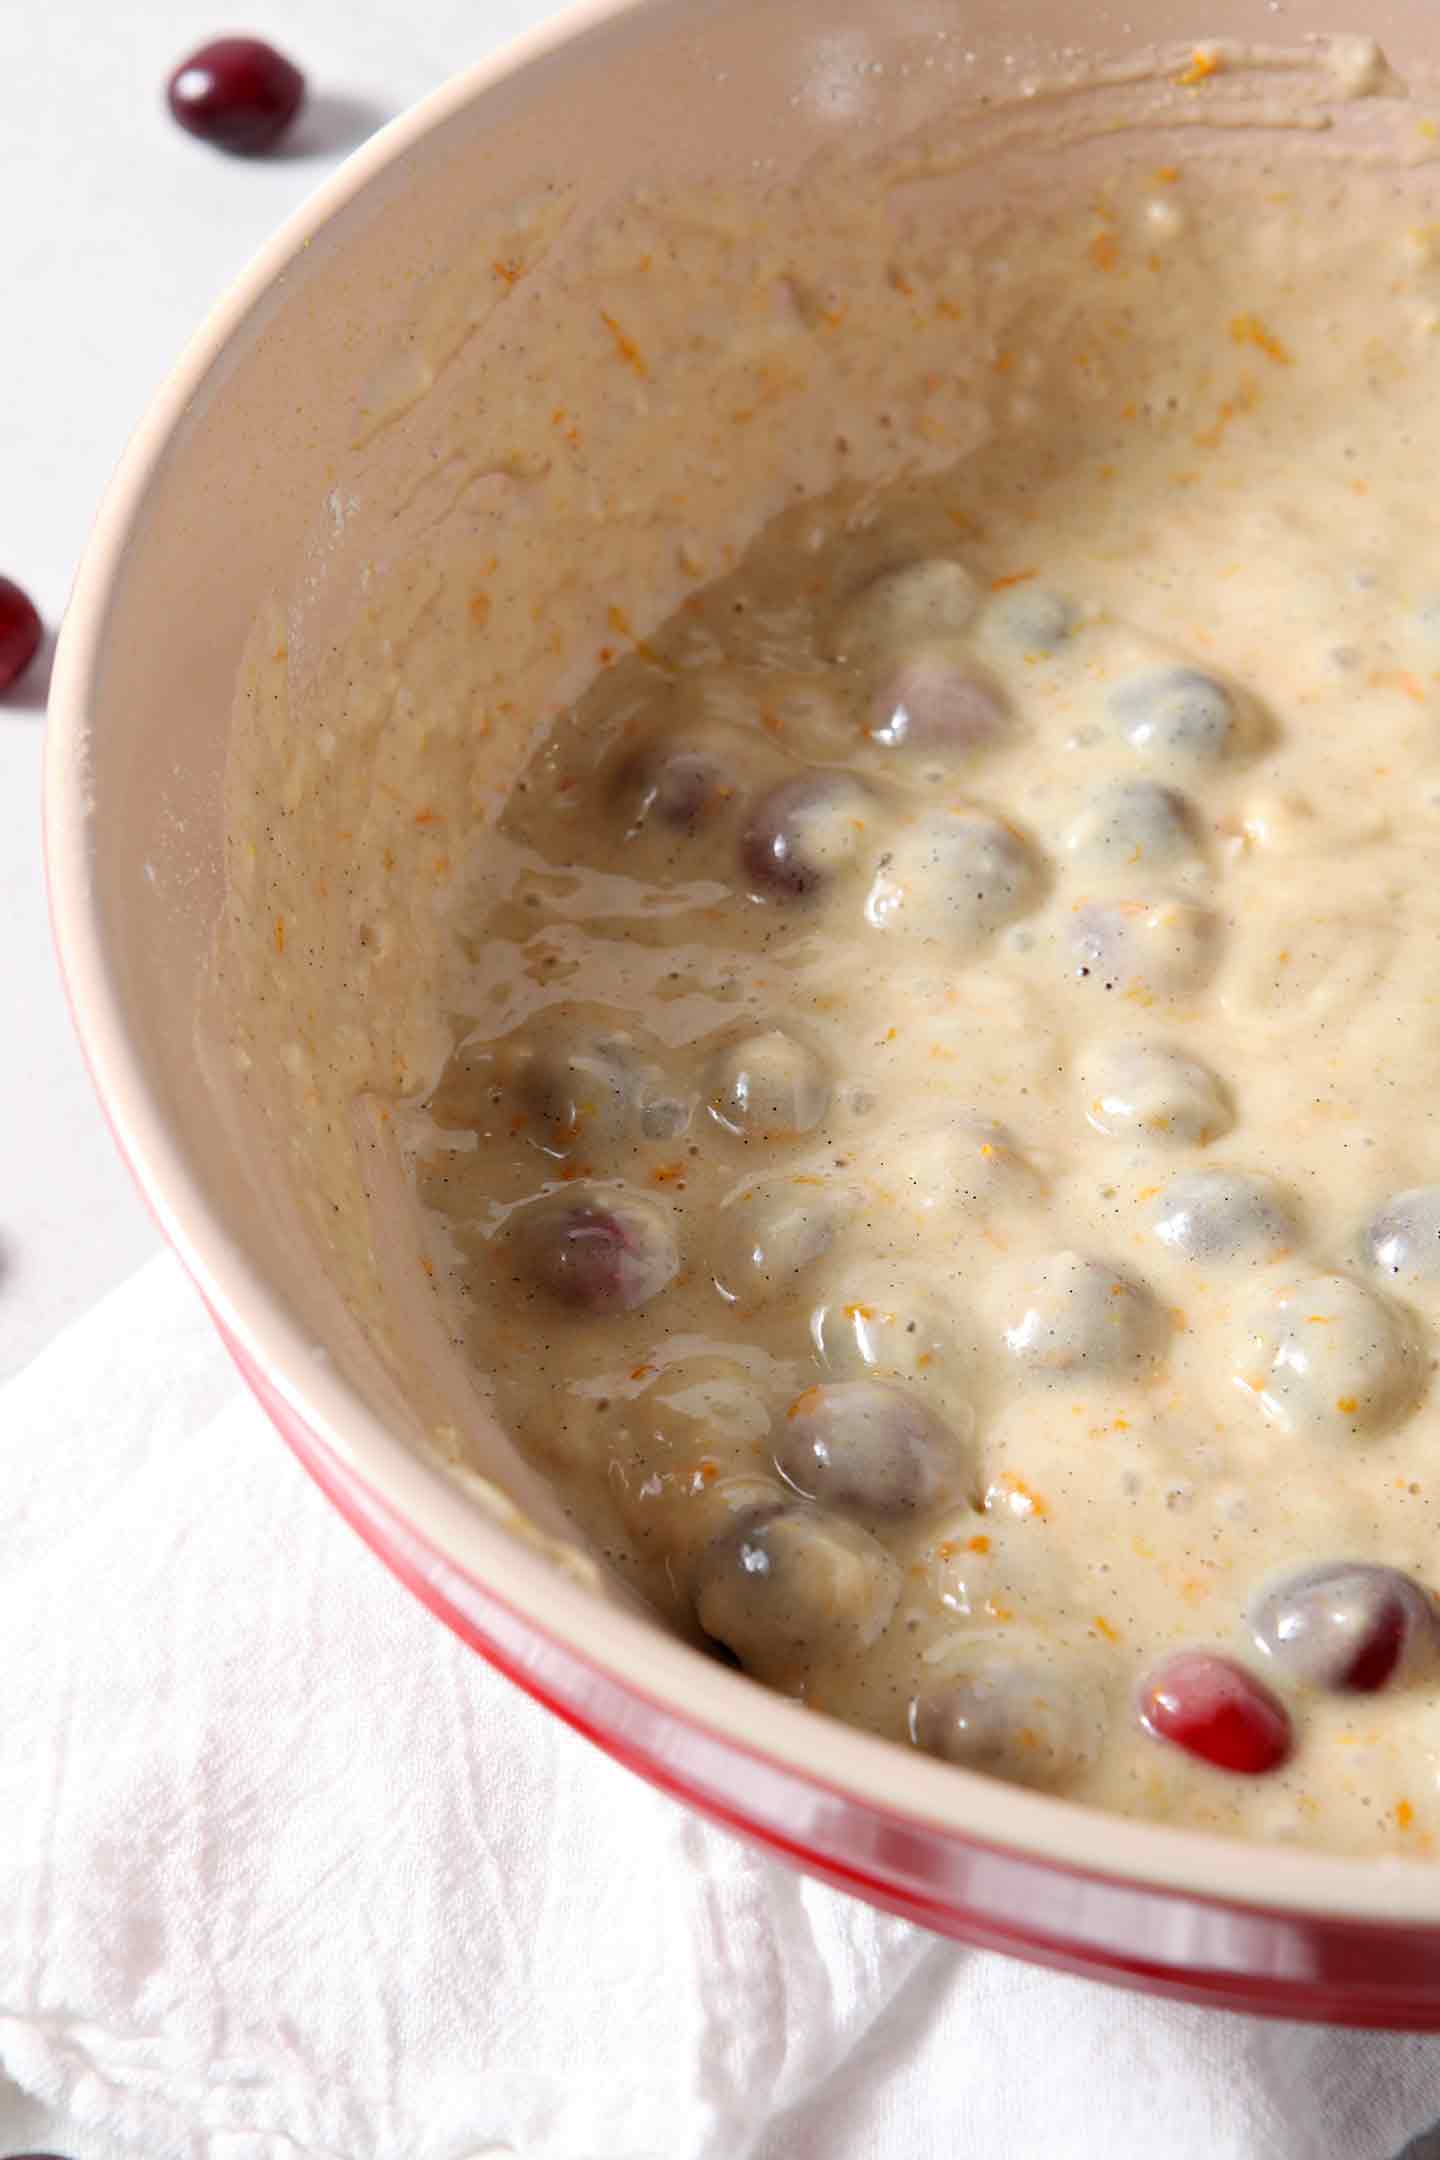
(287, 1874)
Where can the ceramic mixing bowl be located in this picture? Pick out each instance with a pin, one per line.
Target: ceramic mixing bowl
(236, 488)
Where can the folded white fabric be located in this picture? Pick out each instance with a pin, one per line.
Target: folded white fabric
(285, 1871)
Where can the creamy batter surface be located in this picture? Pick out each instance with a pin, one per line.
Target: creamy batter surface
(933, 1137)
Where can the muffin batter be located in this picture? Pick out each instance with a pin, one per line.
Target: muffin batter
(933, 1135)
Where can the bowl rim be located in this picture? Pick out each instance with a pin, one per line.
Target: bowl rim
(629, 1649)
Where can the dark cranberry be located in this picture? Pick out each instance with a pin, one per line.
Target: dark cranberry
(866, 1449)
(20, 632)
(1215, 1710)
(237, 93)
(1131, 822)
(784, 1585)
(767, 1086)
(580, 1086)
(676, 784)
(932, 597)
(1071, 1313)
(1224, 1215)
(1350, 1627)
(593, 1250)
(960, 872)
(1164, 946)
(806, 831)
(1155, 1096)
(1177, 714)
(1013, 1718)
(936, 701)
(1404, 1238)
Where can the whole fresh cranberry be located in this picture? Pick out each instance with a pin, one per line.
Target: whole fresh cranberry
(20, 632)
(237, 93)
(1214, 1709)
(1348, 1626)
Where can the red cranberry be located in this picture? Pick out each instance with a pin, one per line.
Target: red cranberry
(20, 633)
(237, 93)
(1214, 1709)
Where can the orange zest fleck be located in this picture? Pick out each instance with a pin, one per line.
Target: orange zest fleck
(1249, 330)
(1404, 1814)
(805, 1403)
(1016, 577)
(620, 622)
(997, 1611)
(1202, 64)
(510, 271)
(1103, 1627)
(1019, 1490)
(642, 1372)
(1167, 175)
(480, 609)
(625, 345)
(977, 1544)
(667, 1173)
(1398, 679)
(429, 817)
(1104, 254)
(1244, 401)
(1347, 1405)
(279, 933)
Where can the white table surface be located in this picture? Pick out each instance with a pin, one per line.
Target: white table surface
(119, 231)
